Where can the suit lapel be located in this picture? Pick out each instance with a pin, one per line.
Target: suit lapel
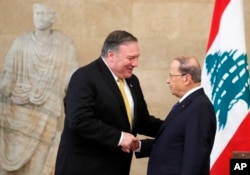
(131, 88)
(172, 114)
(179, 108)
(109, 79)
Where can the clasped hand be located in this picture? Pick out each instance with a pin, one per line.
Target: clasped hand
(129, 143)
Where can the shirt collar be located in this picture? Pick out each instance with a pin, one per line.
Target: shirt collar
(115, 77)
(189, 92)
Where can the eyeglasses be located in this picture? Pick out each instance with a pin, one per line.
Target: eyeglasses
(175, 75)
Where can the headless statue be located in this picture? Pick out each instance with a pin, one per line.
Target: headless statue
(32, 86)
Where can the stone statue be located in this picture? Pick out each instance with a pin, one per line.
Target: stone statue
(32, 86)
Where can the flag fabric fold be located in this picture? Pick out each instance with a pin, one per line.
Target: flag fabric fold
(225, 78)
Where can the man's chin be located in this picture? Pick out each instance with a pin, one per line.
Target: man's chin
(128, 74)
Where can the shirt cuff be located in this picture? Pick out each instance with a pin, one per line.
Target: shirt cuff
(120, 139)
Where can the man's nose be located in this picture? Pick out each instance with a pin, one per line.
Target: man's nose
(135, 62)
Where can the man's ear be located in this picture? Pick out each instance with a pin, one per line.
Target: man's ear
(111, 55)
(187, 79)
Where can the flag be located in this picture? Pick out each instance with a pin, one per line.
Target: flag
(225, 78)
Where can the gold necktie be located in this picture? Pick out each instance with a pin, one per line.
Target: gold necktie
(125, 99)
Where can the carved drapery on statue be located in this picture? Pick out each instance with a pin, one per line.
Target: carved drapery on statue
(32, 88)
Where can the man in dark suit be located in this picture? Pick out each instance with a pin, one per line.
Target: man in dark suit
(185, 140)
(98, 136)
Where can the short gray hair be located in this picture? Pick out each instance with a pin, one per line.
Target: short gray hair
(187, 66)
(115, 39)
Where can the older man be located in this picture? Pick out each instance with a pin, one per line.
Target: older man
(185, 140)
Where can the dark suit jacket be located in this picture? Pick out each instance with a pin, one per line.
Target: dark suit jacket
(95, 117)
(185, 140)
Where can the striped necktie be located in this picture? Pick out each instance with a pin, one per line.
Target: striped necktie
(125, 99)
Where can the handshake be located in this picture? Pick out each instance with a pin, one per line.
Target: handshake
(129, 142)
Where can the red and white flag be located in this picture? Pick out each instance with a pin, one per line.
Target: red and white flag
(225, 78)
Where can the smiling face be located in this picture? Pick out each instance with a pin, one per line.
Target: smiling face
(124, 60)
(43, 17)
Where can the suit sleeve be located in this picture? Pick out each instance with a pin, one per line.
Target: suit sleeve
(146, 124)
(80, 106)
(146, 146)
